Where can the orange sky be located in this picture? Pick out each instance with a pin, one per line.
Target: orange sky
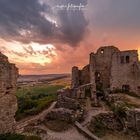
(40, 39)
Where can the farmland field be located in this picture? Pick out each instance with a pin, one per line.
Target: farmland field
(33, 99)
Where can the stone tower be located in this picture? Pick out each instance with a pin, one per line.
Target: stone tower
(75, 77)
(8, 102)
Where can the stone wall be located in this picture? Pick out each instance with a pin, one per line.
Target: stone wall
(80, 77)
(75, 77)
(85, 75)
(125, 72)
(8, 102)
(103, 60)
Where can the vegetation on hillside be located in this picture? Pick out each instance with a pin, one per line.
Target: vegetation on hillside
(32, 100)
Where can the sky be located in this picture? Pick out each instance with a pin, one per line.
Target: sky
(51, 36)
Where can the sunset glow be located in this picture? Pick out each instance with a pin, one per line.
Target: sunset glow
(139, 53)
(40, 38)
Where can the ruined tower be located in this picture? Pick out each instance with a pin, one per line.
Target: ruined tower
(75, 77)
(8, 102)
(109, 69)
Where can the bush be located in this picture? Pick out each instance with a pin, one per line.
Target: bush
(98, 128)
(120, 112)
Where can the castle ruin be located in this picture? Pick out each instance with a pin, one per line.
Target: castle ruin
(109, 69)
(8, 102)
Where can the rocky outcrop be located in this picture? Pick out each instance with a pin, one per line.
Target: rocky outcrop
(8, 102)
(106, 120)
(112, 98)
(133, 120)
(69, 103)
(61, 114)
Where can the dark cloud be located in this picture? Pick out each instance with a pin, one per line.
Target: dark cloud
(18, 17)
(73, 26)
(24, 21)
(73, 23)
(115, 13)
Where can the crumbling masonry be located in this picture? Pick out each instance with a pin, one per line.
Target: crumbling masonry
(108, 69)
(8, 102)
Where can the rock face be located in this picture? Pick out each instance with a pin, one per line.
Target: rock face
(133, 120)
(106, 120)
(8, 102)
(61, 114)
(65, 102)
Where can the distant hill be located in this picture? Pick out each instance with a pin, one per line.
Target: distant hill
(34, 79)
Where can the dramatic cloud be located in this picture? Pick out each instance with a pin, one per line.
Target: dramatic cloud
(32, 21)
(50, 36)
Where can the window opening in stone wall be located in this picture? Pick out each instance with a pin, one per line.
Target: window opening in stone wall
(127, 59)
(138, 89)
(102, 51)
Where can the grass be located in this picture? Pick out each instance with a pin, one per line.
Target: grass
(18, 137)
(32, 100)
(57, 125)
(34, 91)
(119, 111)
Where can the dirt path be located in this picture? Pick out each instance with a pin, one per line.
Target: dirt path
(24, 122)
(70, 134)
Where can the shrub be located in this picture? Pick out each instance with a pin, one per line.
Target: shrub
(120, 111)
(98, 128)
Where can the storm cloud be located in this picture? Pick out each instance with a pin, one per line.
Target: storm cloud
(32, 21)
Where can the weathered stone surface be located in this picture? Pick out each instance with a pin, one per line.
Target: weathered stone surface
(133, 120)
(125, 71)
(108, 120)
(75, 77)
(67, 92)
(114, 98)
(109, 69)
(8, 102)
(69, 103)
(61, 114)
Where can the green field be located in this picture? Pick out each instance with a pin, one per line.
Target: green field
(32, 100)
